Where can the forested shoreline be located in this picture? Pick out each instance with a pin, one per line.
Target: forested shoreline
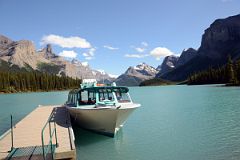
(228, 74)
(12, 82)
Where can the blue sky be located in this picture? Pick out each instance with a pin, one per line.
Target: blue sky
(113, 34)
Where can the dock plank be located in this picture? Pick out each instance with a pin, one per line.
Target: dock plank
(27, 132)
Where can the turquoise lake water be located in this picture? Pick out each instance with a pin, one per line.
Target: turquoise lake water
(174, 123)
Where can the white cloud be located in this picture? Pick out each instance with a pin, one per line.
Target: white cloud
(68, 54)
(140, 50)
(145, 44)
(66, 42)
(88, 58)
(90, 54)
(85, 54)
(85, 64)
(91, 51)
(110, 47)
(160, 52)
(136, 55)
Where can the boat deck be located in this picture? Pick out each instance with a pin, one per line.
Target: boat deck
(27, 142)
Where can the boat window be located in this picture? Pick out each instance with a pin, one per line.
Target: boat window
(91, 98)
(87, 98)
(83, 99)
(72, 99)
(123, 97)
(75, 99)
(68, 98)
(84, 95)
(106, 96)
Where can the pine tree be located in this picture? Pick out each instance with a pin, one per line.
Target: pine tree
(230, 72)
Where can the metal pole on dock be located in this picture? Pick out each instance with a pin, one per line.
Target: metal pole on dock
(55, 133)
(12, 132)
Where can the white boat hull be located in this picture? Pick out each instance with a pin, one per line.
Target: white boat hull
(104, 120)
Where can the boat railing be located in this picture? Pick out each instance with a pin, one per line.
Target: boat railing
(48, 149)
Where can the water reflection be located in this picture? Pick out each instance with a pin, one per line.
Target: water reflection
(84, 137)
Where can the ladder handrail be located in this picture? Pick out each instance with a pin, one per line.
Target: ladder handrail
(52, 133)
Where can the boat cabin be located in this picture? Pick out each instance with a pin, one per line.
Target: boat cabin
(98, 94)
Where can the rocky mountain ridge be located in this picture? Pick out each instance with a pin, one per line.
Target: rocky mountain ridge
(23, 54)
(220, 40)
(168, 64)
(186, 55)
(135, 75)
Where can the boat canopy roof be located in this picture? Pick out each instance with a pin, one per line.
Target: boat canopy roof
(102, 89)
(91, 85)
(107, 89)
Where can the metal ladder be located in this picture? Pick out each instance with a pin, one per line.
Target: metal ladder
(48, 149)
(45, 152)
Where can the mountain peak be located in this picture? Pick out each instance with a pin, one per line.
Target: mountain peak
(49, 48)
(220, 34)
(4, 44)
(186, 55)
(5, 40)
(23, 54)
(144, 66)
(171, 61)
(219, 41)
(135, 75)
(76, 62)
(48, 52)
(168, 64)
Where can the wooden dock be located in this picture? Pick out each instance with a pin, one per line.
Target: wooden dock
(27, 135)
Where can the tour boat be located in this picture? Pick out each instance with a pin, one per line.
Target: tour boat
(100, 108)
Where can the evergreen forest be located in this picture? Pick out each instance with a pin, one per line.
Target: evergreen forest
(35, 81)
(228, 74)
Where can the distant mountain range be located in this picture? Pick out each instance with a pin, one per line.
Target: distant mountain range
(142, 72)
(220, 40)
(22, 55)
